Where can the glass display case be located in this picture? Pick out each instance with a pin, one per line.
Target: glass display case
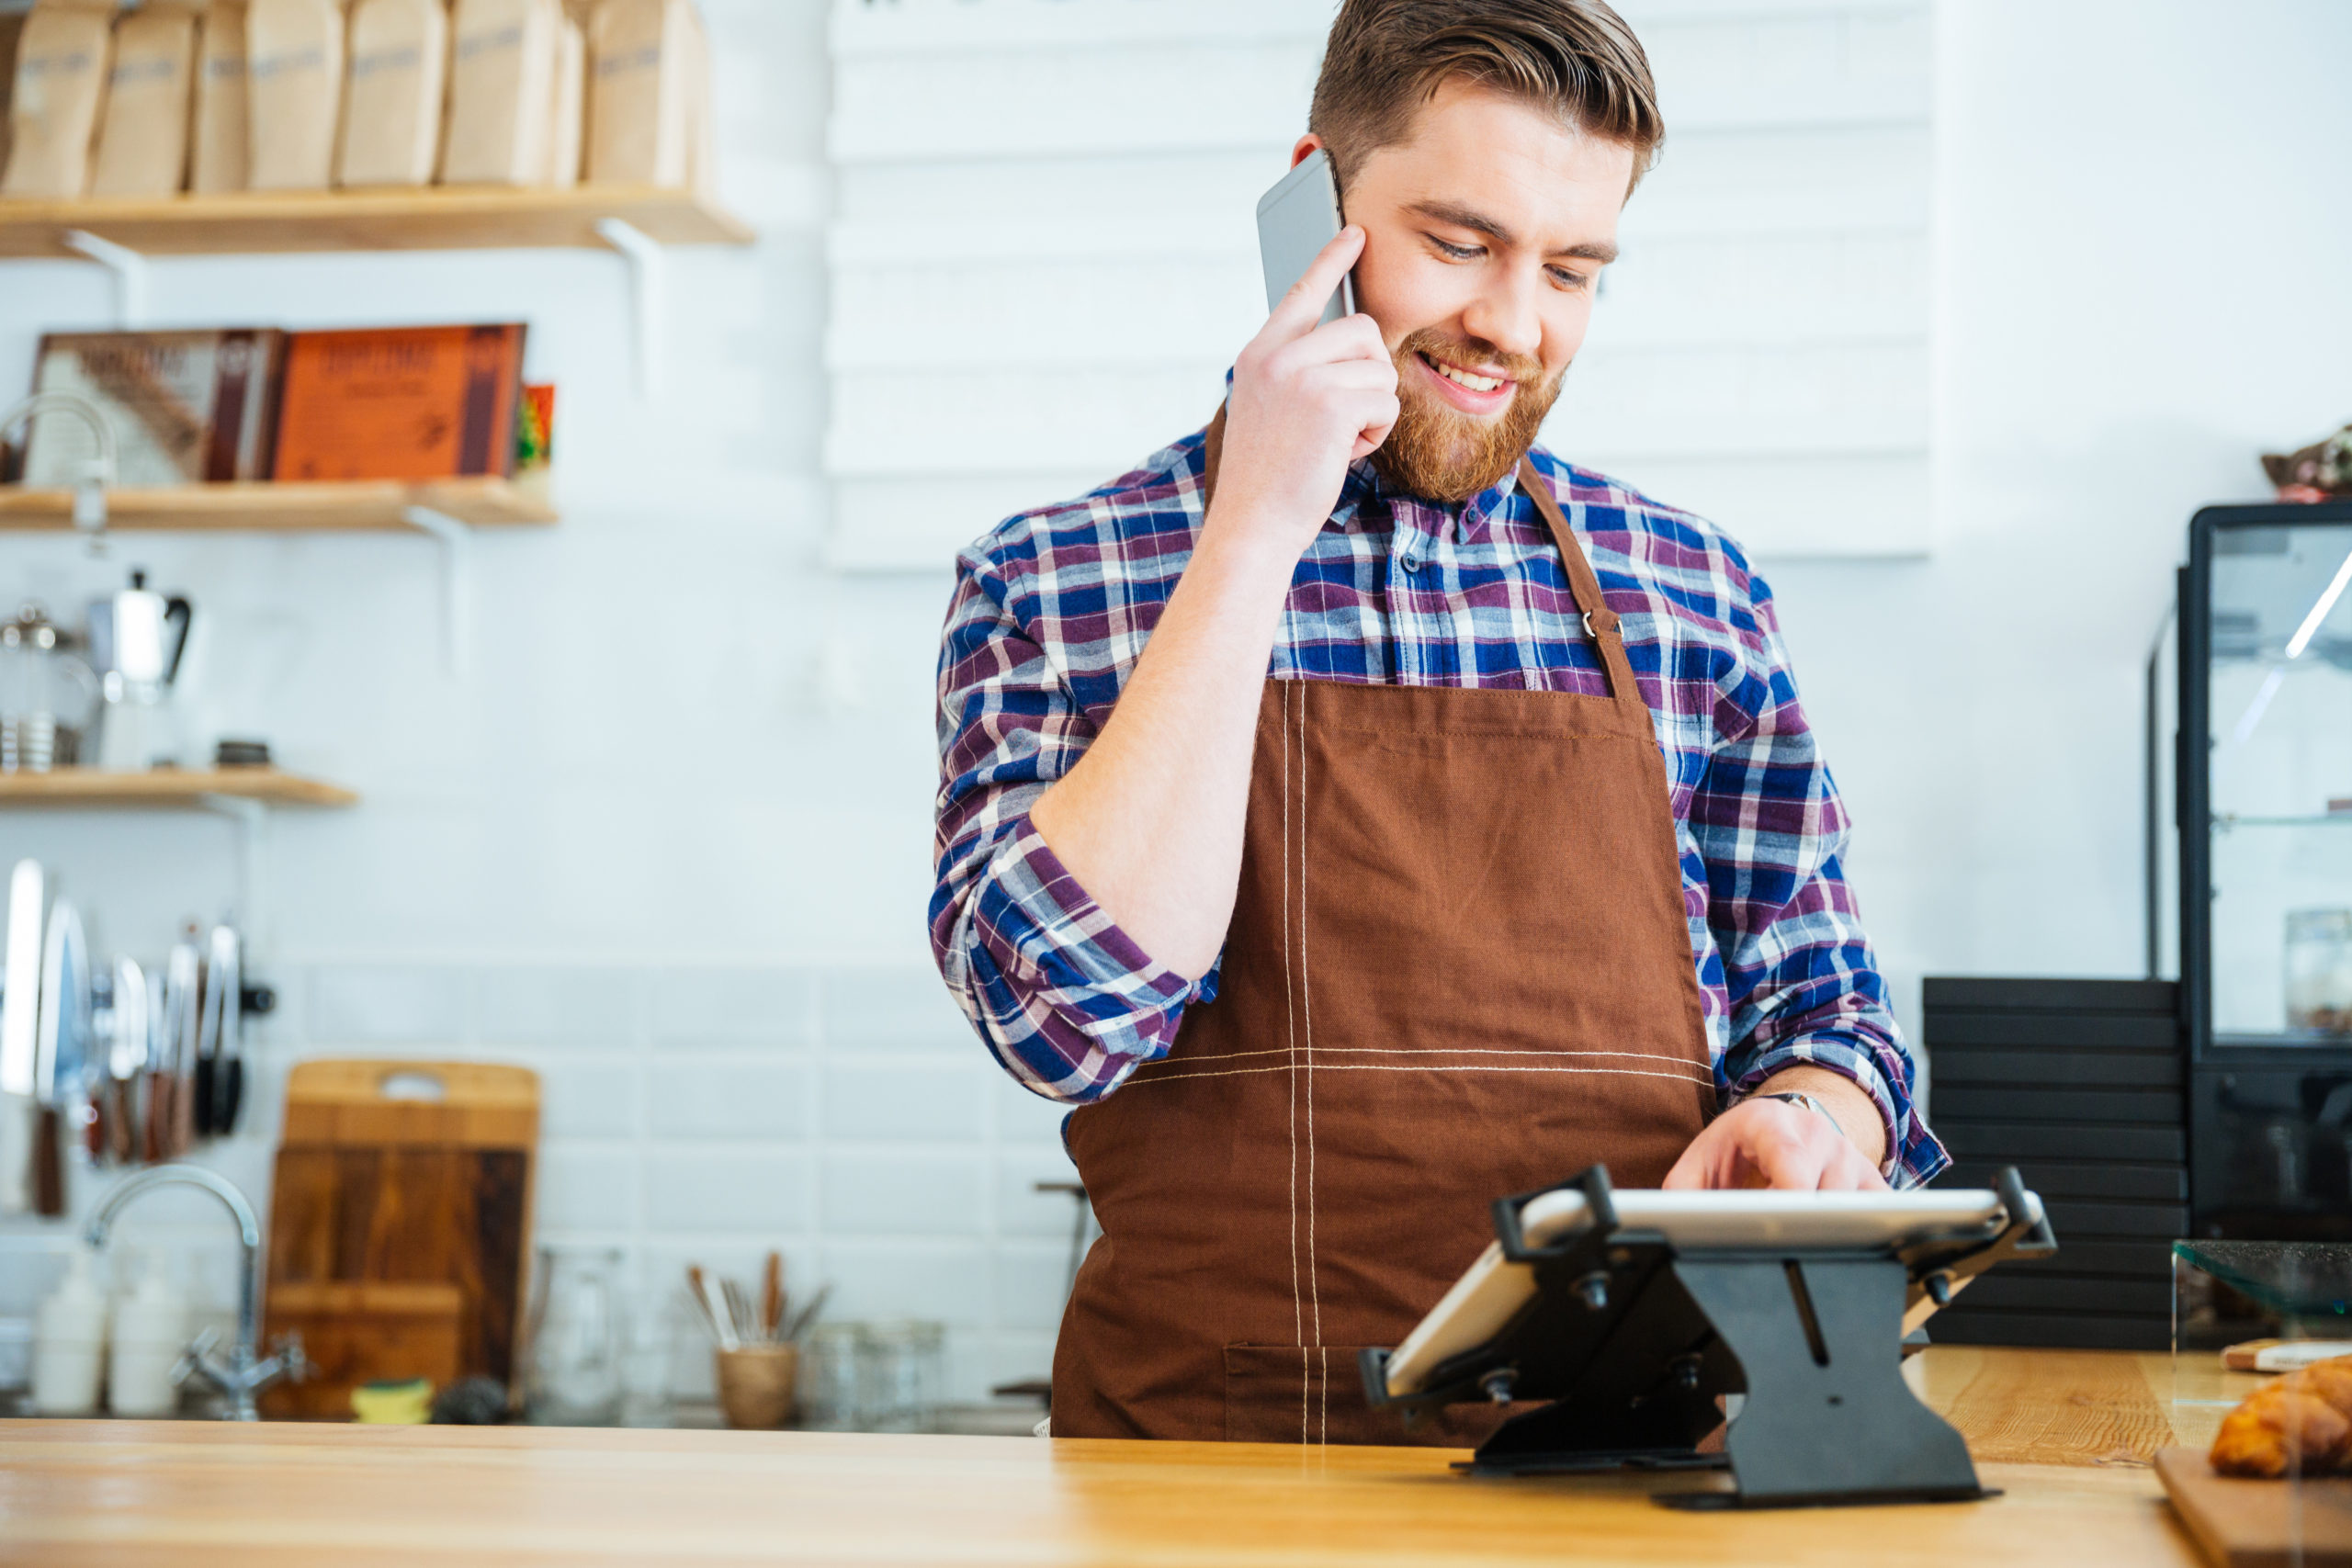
(2263, 790)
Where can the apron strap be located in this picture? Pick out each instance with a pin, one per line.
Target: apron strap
(1599, 620)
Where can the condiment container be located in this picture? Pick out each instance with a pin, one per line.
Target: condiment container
(69, 1343)
(149, 1332)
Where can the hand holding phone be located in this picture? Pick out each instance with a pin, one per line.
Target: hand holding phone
(1312, 392)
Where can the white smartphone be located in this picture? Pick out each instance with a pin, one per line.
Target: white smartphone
(1296, 221)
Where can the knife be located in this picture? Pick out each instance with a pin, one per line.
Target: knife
(182, 982)
(125, 1058)
(20, 1035)
(208, 1043)
(224, 1006)
(155, 1118)
(57, 1061)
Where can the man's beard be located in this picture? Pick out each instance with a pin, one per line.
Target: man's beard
(1441, 454)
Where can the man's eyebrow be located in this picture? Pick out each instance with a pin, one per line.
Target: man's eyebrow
(1478, 222)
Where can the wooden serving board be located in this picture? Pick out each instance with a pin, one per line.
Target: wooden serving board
(375, 1188)
(2241, 1522)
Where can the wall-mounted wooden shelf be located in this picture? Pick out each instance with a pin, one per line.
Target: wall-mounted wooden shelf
(168, 787)
(288, 508)
(255, 223)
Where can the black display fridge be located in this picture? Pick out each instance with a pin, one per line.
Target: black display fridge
(2261, 788)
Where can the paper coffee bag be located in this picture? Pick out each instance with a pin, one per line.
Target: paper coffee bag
(59, 94)
(502, 92)
(566, 136)
(641, 70)
(294, 93)
(12, 27)
(218, 150)
(393, 105)
(142, 140)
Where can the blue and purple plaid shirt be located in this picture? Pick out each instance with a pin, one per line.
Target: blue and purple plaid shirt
(1052, 610)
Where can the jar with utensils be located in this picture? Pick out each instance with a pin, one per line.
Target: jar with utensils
(2319, 971)
(577, 1339)
(69, 1341)
(48, 696)
(151, 1331)
(755, 1335)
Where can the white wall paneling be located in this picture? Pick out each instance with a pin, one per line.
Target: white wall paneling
(1044, 256)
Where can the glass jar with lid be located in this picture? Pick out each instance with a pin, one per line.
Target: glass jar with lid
(2319, 972)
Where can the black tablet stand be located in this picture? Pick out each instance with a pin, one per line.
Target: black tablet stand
(1634, 1342)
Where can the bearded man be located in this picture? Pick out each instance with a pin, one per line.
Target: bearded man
(1360, 813)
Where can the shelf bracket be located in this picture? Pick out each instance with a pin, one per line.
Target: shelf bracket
(251, 819)
(457, 580)
(647, 273)
(129, 269)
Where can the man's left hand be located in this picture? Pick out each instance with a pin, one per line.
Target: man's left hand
(1776, 1142)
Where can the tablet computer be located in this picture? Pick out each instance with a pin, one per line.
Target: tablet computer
(1485, 1300)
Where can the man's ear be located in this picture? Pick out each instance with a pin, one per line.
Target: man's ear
(1308, 145)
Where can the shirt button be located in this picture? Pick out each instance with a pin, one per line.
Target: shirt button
(1412, 563)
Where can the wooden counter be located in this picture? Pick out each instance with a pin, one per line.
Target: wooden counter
(2067, 1434)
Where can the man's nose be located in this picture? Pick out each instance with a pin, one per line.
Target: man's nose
(1504, 314)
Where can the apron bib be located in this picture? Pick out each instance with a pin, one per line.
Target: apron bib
(1458, 967)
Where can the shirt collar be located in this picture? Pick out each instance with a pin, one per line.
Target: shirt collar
(1462, 522)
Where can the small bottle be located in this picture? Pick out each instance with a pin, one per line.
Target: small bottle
(149, 1332)
(69, 1342)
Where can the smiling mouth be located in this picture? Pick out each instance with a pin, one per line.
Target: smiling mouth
(1469, 379)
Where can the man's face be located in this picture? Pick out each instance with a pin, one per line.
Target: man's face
(1485, 234)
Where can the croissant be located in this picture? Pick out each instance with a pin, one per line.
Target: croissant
(2302, 1421)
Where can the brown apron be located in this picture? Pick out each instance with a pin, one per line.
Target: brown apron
(1458, 967)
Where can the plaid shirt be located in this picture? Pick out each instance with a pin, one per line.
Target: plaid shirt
(1052, 610)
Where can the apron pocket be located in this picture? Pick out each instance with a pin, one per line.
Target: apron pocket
(1292, 1393)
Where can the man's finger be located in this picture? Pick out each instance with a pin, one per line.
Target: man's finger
(1297, 312)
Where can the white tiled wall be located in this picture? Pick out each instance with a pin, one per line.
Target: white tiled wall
(841, 1114)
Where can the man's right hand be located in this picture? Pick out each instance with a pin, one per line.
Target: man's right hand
(1307, 400)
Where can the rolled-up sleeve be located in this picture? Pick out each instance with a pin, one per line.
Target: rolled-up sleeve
(1068, 1004)
(1799, 975)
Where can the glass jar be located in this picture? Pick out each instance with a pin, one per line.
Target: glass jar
(904, 1373)
(578, 1339)
(831, 1365)
(2319, 971)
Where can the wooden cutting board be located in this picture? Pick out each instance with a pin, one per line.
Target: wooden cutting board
(2240, 1522)
(401, 1174)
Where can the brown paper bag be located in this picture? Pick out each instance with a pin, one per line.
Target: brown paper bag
(217, 156)
(641, 70)
(568, 134)
(12, 27)
(143, 139)
(392, 106)
(294, 93)
(502, 92)
(60, 93)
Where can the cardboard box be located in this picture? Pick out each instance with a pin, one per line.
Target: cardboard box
(401, 403)
(185, 407)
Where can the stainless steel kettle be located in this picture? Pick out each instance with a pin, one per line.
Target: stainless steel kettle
(136, 639)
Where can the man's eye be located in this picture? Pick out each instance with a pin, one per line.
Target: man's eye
(1453, 252)
(1568, 279)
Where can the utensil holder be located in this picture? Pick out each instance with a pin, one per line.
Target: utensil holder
(756, 1385)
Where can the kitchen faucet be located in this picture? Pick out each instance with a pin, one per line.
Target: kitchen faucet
(244, 1373)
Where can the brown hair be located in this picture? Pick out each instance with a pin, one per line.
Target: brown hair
(1574, 58)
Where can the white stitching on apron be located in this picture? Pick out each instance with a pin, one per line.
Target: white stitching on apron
(1289, 1009)
(1307, 1013)
(1141, 1082)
